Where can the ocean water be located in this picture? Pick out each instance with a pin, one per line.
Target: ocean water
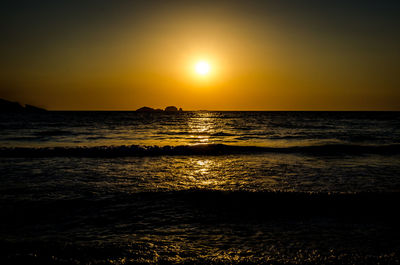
(200, 188)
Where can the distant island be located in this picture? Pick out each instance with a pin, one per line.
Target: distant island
(167, 109)
(10, 107)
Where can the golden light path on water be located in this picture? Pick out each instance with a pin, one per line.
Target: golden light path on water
(215, 172)
(204, 173)
(209, 172)
(201, 126)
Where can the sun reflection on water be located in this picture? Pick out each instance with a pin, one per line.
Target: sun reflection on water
(202, 173)
(201, 127)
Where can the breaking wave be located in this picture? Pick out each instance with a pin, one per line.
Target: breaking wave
(201, 149)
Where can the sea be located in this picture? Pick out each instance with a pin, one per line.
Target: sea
(200, 187)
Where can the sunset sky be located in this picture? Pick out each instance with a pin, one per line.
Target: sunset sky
(261, 55)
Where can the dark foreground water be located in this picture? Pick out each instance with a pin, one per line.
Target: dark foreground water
(200, 187)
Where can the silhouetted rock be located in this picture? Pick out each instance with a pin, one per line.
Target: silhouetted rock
(171, 109)
(145, 109)
(9, 106)
(31, 108)
(167, 109)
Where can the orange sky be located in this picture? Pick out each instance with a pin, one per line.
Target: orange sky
(121, 56)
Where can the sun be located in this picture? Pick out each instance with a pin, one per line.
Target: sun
(202, 68)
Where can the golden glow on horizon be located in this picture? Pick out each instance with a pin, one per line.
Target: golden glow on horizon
(233, 60)
(202, 68)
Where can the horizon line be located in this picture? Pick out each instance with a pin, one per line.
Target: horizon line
(233, 110)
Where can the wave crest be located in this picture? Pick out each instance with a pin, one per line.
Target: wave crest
(203, 149)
